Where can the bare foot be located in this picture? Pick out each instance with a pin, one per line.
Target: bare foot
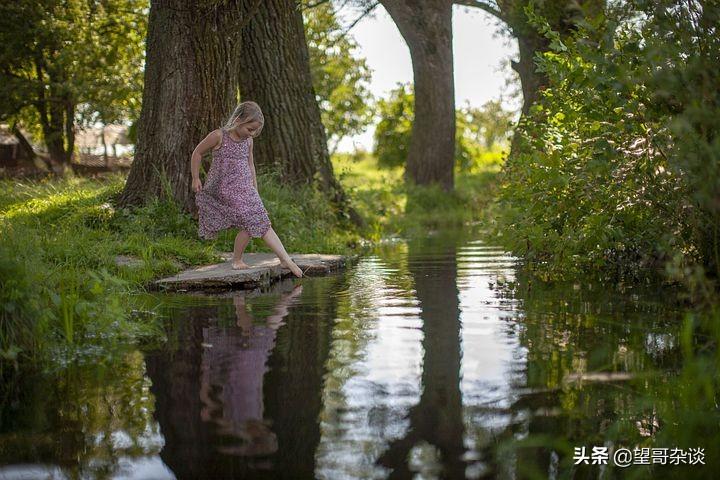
(239, 265)
(292, 267)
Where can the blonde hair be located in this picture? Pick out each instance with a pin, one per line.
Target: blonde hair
(247, 111)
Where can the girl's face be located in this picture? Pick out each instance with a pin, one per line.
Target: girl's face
(248, 129)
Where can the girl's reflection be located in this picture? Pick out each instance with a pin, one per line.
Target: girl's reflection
(231, 385)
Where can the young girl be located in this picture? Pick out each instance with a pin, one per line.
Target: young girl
(229, 197)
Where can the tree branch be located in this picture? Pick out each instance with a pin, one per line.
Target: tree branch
(482, 6)
(308, 6)
(365, 13)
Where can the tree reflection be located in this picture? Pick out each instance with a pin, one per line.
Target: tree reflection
(593, 357)
(437, 418)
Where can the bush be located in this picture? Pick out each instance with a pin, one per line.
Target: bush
(615, 169)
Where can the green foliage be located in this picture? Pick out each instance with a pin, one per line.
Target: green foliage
(392, 133)
(477, 129)
(490, 124)
(68, 62)
(391, 207)
(63, 296)
(615, 169)
(341, 79)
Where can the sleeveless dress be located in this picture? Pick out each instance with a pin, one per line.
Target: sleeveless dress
(228, 198)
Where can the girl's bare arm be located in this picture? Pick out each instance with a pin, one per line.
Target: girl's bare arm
(212, 140)
(252, 163)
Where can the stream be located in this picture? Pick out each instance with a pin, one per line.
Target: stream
(428, 358)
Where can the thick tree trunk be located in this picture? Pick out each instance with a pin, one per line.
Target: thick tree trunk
(275, 73)
(57, 125)
(426, 27)
(190, 87)
(57, 115)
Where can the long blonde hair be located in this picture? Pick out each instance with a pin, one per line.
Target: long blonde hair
(247, 111)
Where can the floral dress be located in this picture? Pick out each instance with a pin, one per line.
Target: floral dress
(229, 198)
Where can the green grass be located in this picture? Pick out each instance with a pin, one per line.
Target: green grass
(63, 296)
(393, 207)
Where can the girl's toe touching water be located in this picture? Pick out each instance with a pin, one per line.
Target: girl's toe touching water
(229, 197)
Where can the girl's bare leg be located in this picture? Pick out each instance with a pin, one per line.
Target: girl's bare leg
(273, 241)
(241, 241)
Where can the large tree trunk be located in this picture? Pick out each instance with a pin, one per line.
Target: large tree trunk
(190, 87)
(531, 81)
(426, 27)
(275, 73)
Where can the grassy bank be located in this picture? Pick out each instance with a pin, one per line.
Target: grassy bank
(63, 295)
(394, 208)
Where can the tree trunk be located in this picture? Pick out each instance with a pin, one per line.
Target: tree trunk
(28, 152)
(275, 73)
(427, 30)
(57, 124)
(531, 81)
(190, 87)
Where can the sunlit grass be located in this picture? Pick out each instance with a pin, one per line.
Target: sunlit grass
(62, 291)
(394, 208)
(64, 294)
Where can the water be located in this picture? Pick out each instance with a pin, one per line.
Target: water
(434, 358)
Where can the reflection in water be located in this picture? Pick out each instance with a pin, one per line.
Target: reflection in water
(90, 421)
(215, 407)
(233, 366)
(437, 418)
(437, 358)
(432, 371)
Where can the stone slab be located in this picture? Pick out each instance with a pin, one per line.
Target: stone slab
(264, 269)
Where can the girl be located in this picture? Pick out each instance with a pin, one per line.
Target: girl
(230, 197)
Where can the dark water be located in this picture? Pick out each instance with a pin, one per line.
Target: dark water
(428, 359)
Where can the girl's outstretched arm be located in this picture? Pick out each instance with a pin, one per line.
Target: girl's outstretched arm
(252, 163)
(212, 140)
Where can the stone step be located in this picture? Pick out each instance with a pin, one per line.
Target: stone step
(264, 269)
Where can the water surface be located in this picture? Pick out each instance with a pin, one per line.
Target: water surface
(432, 358)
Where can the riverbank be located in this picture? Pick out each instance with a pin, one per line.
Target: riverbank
(64, 294)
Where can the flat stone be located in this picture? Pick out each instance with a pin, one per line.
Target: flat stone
(264, 269)
(128, 261)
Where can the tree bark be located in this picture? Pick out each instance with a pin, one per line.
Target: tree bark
(104, 144)
(426, 27)
(56, 111)
(190, 86)
(275, 73)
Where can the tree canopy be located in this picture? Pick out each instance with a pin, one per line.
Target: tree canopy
(70, 62)
(341, 79)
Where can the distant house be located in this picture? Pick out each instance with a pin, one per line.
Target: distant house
(11, 152)
(95, 147)
(110, 141)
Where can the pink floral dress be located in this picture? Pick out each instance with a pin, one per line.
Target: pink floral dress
(228, 198)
